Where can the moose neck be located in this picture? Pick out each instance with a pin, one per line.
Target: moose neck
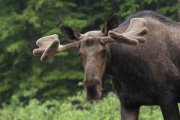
(114, 58)
(109, 59)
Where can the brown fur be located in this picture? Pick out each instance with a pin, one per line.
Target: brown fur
(149, 73)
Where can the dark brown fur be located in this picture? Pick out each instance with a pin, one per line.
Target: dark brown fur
(149, 73)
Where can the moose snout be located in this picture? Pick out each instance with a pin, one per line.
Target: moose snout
(93, 93)
(92, 82)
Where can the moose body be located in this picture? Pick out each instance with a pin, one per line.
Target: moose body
(142, 74)
(149, 73)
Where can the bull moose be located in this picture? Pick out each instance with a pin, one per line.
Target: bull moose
(142, 55)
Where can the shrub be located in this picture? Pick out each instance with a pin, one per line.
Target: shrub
(74, 108)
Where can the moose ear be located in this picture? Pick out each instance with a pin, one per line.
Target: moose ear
(69, 33)
(110, 24)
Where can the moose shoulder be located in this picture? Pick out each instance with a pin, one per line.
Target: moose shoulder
(142, 74)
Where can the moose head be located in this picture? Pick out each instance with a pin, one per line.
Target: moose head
(93, 50)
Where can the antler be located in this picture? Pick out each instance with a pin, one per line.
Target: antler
(132, 35)
(49, 46)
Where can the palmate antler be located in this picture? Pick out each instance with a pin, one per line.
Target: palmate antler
(50, 45)
(134, 34)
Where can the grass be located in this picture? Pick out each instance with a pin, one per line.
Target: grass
(74, 108)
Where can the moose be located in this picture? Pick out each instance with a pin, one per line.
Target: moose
(142, 55)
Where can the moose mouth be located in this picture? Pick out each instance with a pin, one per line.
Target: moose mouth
(93, 93)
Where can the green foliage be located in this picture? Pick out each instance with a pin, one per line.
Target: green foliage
(21, 25)
(74, 108)
(23, 77)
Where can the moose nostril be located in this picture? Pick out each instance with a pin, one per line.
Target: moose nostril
(89, 83)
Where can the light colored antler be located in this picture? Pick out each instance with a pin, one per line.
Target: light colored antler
(49, 46)
(132, 35)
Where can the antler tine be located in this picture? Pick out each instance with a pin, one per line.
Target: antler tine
(72, 45)
(106, 39)
(110, 39)
(133, 34)
(137, 28)
(45, 42)
(49, 46)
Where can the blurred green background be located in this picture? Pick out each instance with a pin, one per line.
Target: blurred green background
(32, 90)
